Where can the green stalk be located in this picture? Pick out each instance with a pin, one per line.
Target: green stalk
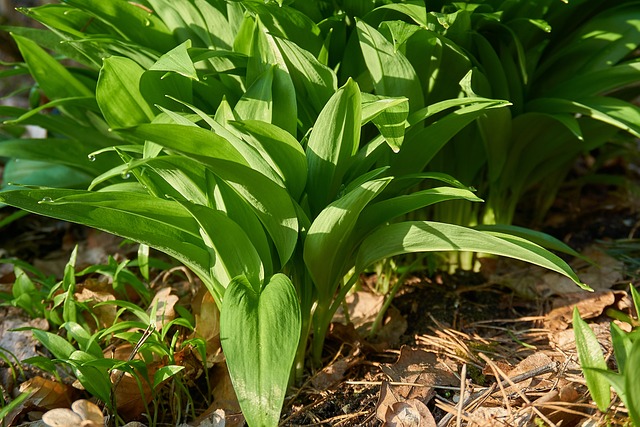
(377, 323)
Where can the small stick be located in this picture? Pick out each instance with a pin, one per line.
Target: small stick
(463, 380)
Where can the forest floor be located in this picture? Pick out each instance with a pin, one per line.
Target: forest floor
(493, 347)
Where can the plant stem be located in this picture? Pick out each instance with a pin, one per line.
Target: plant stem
(396, 287)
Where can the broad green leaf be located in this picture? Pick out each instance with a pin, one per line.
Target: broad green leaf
(384, 211)
(328, 243)
(333, 141)
(315, 83)
(591, 357)
(58, 346)
(132, 20)
(95, 380)
(621, 346)
(257, 102)
(162, 224)
(420, 147)
(66, 152)
(542, 239)
(427, 236)
(118, 93)
(86, 342)
(165, 373)
(632, 385)
(389, 115)
(271, 202)
(282, 97)
(599, 82)
(281, 150)
(231, 252)
(178, 61)
(392, 73)
(54, 79)
(259, 331)
(29, 172)
(612, 111)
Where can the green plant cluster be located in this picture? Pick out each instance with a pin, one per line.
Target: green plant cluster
(276, 148)
(626, 350)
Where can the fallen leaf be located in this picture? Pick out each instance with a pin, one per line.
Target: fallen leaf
(417, 366)
(225, 401)
(590, 305)
(411, 413)
(363, 307)
(82, 414)
(105, 314)
(163, 302)
(394, 327)
(207, 326)
(44, 395)
(335, 372)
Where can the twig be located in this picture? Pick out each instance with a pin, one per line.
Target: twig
(545, 369)
(463, 380)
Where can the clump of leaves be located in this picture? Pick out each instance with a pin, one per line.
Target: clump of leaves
(626, 348)
(230, 146)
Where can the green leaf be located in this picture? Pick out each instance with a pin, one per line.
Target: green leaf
(135, 23)
(542, 239)
(328, 242)
(590, 356)
(632, 385)
(621, 346)
(54, 79)
(231, 252)
(392, 73)
(118, 93)
(164, 374)
(58, 346)
(333, 141)
(178, 61)
(281, 150)
(389, 115)
(259, 331)
(162, 224)
(427, 236)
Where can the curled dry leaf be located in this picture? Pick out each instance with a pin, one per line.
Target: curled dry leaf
(207, 328)
(411, 413)
(106, 314)
(164, 302)
(44, 395)
(225, 401)
(590, 305)
(82, 414)
(335, 372)
(363, 309)
(416, 366)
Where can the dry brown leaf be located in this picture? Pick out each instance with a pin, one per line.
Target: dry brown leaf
(602, 275)
(106, 314)
(44, 394)
(417, 366)
(207, 326)
(163, 302)
(394, 327)
(411, 413)
(386, 398)
(21, 344)
(334, 373)
(82, 414)
(590, 305)
(132, 395)
(363, 309)
(225, 400)
(531, 363)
